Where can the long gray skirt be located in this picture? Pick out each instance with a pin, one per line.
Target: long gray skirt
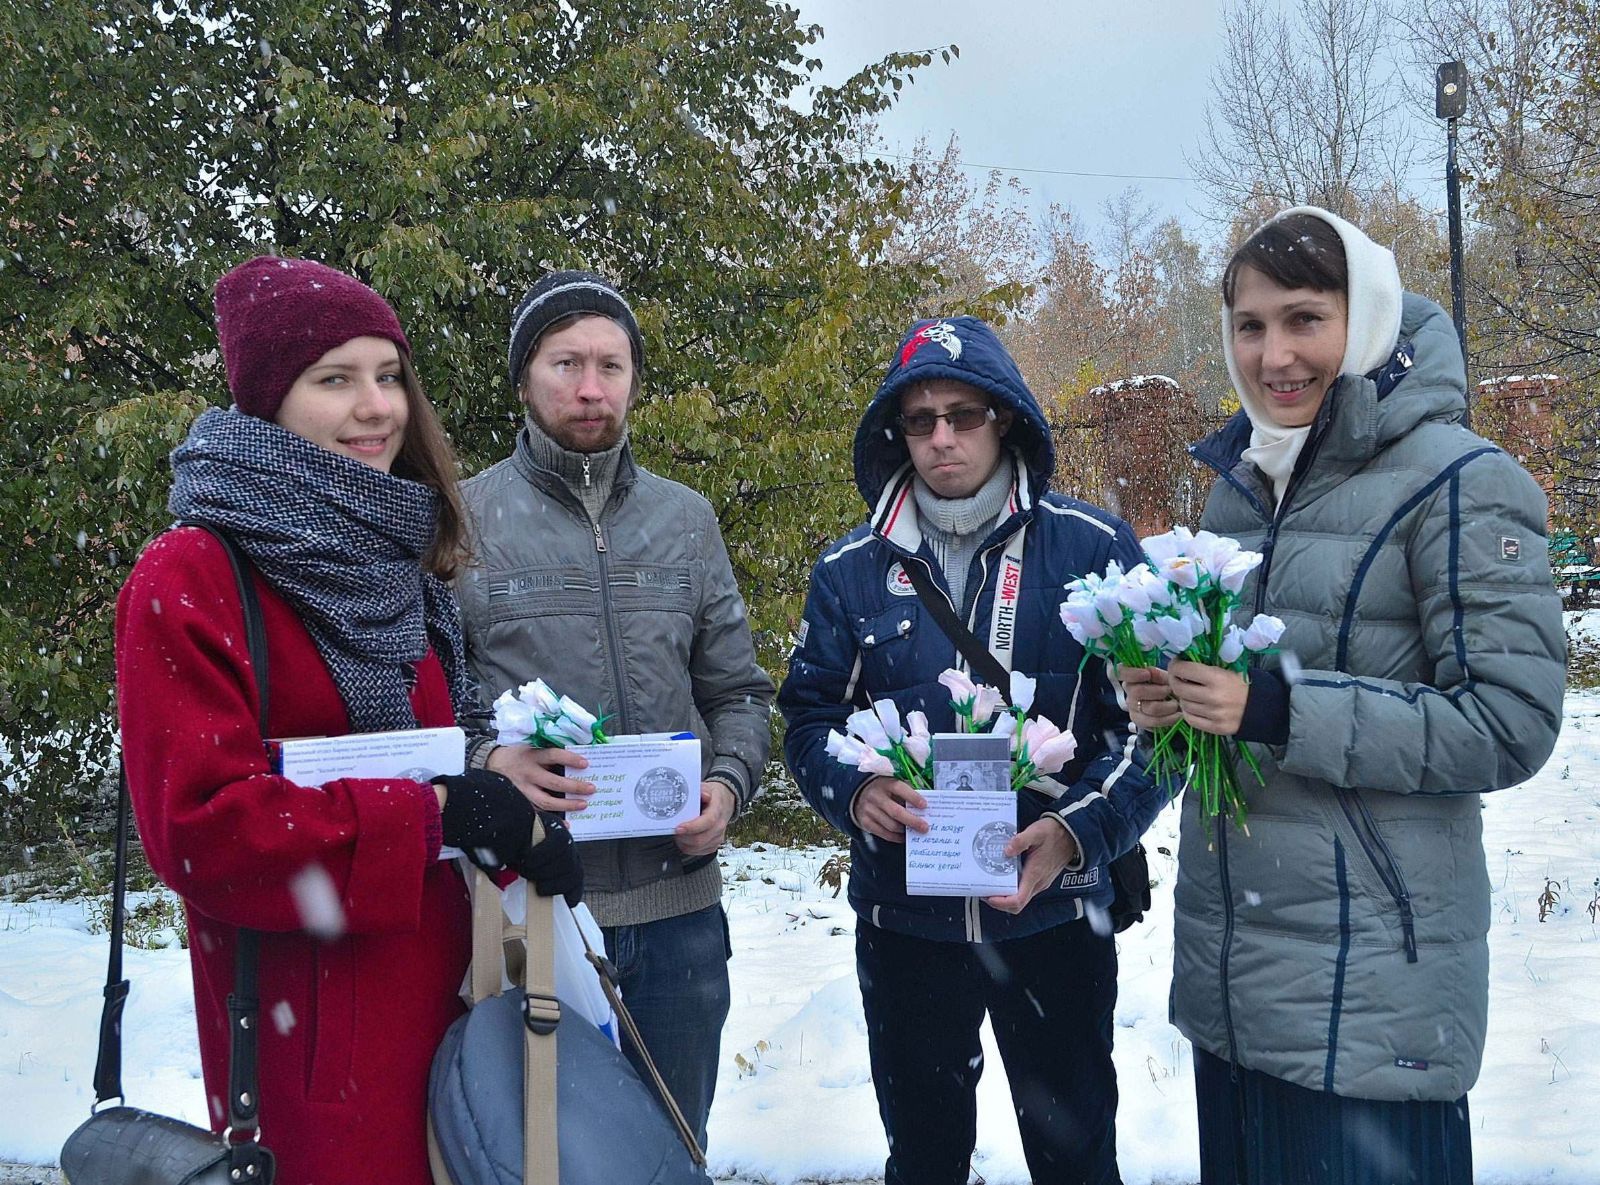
(1259, 1130)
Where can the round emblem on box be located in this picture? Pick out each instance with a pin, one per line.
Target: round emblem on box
(416, 774)
(661, 792)
(989, 847)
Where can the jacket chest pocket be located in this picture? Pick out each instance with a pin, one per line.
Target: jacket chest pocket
(653, 588)
(656, 607)
(887, 645)
(544, 590)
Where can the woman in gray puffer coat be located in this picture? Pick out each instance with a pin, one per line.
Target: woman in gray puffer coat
(1331, 963)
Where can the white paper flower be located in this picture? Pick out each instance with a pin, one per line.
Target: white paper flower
(1232, 645)
(1006, 726)
(1052, 755)
(1022, 691)
(1148, 634)
(1037, 731)
(514, 720)
(1212, 551)
(1263, 632)
(538, 696)
(959, 685)
(1172, 557)
(875, 763)
(1232, 575)
(1178, 633)
(1160, 548)
(917, 724)
(1182, 570)
(1081, 620)
(1108, 606)
(568, 730)
(866, 725)
(987, 703)
(889, 716)
(572, 710)
(918, 746)
(1140, 588)
(846, 749)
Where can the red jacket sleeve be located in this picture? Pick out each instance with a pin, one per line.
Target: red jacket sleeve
(231, 837)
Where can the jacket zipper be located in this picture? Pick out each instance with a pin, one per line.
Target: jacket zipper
(1381, 857)
(983, 578)
(562, 493)
(1378, 852)
(608, 615)
(1227, 934)
(1268, 545)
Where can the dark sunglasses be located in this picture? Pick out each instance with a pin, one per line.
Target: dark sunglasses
(962, 419)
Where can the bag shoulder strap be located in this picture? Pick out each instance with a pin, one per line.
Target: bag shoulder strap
(607, 973)
(255, 628)
(243, 1004)
(541, 1013)
(979, 660)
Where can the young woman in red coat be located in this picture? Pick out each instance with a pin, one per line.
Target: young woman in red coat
(333, 476)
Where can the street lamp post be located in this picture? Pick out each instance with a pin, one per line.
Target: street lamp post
(1449, 104)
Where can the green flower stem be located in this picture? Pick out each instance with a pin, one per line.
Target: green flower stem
(1169, 752)
(964, 713)
(1250, 760)
(906, 767)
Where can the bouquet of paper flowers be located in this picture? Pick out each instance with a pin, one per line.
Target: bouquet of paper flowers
(877, 741)
(535, 715)
(1179, 604)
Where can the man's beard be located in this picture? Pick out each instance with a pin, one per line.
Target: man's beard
(568, 435)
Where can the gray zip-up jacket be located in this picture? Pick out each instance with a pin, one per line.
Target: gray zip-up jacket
(637, 614)
(1341, 944)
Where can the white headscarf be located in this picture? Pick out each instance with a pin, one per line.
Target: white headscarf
(1373, 327)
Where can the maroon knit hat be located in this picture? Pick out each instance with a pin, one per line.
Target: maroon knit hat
(275, 317)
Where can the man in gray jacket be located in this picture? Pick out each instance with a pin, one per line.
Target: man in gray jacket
(613, 585)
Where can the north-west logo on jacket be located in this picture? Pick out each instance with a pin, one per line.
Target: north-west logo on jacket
(940, 333)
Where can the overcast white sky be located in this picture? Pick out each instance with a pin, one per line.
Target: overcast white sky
(1048, 88)
(1080, 86)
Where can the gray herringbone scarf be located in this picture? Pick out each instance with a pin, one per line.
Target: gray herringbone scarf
(340, 541)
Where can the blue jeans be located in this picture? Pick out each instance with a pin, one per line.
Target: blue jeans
(674, 979)
(1049, 997)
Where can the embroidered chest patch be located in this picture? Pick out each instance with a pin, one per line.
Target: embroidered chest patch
(899, 583)
(523, 585)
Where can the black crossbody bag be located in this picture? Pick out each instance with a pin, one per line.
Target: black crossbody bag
(126, 1146)
(1130, 872)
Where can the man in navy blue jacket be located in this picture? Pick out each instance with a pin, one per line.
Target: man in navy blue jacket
(954, 457)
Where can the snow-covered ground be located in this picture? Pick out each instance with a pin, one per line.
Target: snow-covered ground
(795, 1100)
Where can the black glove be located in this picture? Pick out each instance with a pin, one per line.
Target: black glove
(552, 865)
(488, 818)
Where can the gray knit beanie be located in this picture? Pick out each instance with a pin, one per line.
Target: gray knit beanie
(557, 295)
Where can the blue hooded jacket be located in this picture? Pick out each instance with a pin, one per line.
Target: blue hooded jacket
(866, 636)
